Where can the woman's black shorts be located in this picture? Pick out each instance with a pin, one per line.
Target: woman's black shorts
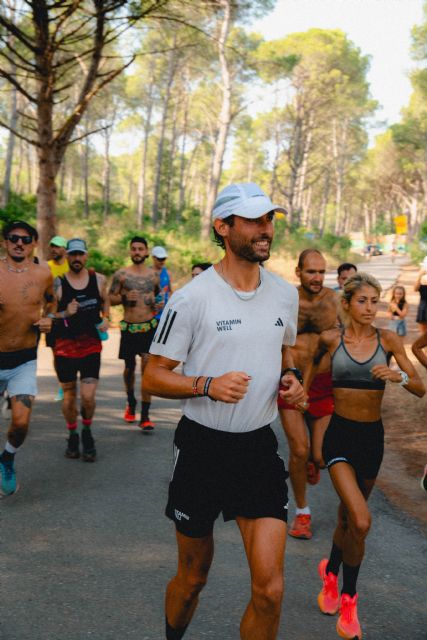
(361, 444)
(422, 311)
(240, 474)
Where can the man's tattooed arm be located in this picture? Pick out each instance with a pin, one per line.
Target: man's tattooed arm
(115, 293)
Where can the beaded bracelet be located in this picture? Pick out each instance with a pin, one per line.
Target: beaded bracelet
(196, 394)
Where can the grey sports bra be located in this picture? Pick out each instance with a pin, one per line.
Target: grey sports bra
(351, 374)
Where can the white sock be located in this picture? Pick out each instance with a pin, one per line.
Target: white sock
(303, 512)
(9, 448)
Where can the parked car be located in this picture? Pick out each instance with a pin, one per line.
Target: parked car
(373, 250)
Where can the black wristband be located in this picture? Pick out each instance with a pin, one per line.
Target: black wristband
(297, 373)
(206, 388)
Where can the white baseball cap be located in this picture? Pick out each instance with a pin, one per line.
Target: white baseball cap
(244, 199)
(159, 252)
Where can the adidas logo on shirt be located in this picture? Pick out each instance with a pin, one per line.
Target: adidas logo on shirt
(279, 322)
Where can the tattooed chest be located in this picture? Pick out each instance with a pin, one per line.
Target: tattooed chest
(142, 285)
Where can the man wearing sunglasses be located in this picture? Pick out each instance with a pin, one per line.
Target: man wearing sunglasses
(25, 288)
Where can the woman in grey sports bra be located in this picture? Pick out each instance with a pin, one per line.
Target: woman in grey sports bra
(354, 441)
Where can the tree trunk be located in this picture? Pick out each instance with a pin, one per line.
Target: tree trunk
(86, 177)
(181, 198)
(10, 147)
(161, 144)
(106, 175)
(224, 120)
(142, 173)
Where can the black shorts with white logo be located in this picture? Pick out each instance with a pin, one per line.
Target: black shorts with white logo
(360, 444)
(240, 474)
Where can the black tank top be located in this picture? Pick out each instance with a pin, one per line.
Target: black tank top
(423, 292)
(88, 315)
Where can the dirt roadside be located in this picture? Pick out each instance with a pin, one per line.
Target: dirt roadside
(405, 423)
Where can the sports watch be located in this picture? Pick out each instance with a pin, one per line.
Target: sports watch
(405, 378)
(297, 373)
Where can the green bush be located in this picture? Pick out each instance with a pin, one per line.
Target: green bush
(103, 263)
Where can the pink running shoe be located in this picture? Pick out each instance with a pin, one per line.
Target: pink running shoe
(301, 527)
(328, 599)
(348, 625)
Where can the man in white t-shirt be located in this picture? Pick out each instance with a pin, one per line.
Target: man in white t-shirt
(231, 327)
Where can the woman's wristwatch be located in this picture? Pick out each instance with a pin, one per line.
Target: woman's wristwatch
(404, 376)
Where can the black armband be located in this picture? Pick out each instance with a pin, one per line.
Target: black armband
(297, 373)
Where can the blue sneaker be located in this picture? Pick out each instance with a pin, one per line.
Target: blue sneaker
(60, 395)
(8, 477)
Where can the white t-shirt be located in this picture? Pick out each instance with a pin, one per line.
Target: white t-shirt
(212, 331)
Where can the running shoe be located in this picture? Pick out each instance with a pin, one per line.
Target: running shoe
(129, 415)
(328, 599)
(59, 395)
(8, 477)
(89, 451)
(423, 482)
(146, 425)
(313, 473)
(72, 450)
(348, 623)
(301, 527)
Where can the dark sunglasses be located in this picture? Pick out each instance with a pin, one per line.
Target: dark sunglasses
(15, 239)
(160, 259)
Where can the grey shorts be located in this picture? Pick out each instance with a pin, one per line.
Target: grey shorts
(20, 380)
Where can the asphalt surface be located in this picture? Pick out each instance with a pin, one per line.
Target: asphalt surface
(86, 550)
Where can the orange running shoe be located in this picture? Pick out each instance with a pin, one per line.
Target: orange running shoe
(348, 623)
(301, 527)
(146, 424)
(313, 473)
(328, 599)
(129, 415)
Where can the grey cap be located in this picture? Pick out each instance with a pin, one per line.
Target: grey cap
(76, 244)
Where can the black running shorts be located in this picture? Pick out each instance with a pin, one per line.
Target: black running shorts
(135, 344)
(240, 474)
(361, 444)
(68, 368)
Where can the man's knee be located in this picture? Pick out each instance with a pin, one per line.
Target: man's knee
(191, 585)
(267, 596)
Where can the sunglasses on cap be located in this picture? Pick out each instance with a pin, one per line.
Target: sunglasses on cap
(13, 237)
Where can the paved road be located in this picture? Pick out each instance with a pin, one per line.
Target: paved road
(381, 267)
(86, 551)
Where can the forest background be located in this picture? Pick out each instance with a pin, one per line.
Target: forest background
(175, 79)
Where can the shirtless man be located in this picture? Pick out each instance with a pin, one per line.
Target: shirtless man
(317, 312)
(135, 287)
(25, 288)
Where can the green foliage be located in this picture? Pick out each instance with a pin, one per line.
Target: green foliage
(19, 207)
(103, 263)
